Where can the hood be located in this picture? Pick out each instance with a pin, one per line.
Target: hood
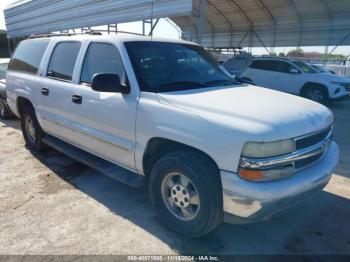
(331, 77)
(265, 114)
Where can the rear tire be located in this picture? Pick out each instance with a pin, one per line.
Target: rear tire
(31, 129)
(185, 189)
(317, 94)
(4, 110)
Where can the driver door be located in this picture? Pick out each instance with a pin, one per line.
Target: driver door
(104, 123)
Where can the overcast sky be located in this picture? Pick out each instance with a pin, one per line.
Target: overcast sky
(164, 29)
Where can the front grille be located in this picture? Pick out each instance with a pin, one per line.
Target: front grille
(308, 141)
(307, 161)
(311, 140)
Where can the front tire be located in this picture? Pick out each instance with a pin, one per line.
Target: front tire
(32, 132)
(185, 189)
(317, 94)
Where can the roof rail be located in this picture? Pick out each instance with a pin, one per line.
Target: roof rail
(274, 57)
(64, 34)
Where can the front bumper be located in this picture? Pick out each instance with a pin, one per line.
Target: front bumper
(247, 202)
(341, 98)
(344, 92)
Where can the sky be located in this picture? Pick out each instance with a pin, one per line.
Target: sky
(165, 29)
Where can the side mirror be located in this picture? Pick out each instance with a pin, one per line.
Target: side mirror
(108, 82)
(294, 71)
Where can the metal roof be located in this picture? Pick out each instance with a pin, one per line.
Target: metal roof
(228, 23)
(267, 23)
(41, 16)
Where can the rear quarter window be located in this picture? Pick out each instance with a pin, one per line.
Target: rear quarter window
(28, 55)
(63, 60)
(3, 68)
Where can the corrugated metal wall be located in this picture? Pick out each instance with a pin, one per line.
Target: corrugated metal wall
(41, 16)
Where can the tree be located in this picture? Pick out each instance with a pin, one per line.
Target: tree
(295, 53)
(336, 57)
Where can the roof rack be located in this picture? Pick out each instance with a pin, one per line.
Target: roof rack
(65, 34)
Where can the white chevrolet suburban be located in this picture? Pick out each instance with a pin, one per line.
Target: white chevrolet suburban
(162, 112)
(296, 77)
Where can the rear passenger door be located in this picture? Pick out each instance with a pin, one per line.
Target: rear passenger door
(56, 90)
(274, 74)
(288, 78)
(104, 123)
(260, 72)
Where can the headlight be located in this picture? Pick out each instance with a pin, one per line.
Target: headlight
(265, 150)
(269, 149)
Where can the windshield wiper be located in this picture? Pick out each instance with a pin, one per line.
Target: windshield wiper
(221, 82)
(183, 84)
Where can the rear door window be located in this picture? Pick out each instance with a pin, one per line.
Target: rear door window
(268, 65)
(63, 60)
(102, 58)
(256, 64)
(28, 55)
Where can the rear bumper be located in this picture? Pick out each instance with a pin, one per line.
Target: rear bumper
(4, 102)
(13, 108)
(247, 202)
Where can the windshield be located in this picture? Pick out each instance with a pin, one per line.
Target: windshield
(305, 67)
(320, 69)
(164, 67)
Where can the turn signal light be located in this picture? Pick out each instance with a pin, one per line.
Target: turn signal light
(267, 174)
(253, 175)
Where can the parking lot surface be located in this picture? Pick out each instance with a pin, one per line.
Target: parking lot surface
(50, 204)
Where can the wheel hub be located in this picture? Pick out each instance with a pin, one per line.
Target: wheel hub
(29, 125)
(180, 196)
(316, 95)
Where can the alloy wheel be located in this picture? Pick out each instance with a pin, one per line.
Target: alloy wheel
(316, 95)
(30, 129)
(180, 196)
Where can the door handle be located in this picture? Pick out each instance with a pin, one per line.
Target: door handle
(77, 99)
(45, 91)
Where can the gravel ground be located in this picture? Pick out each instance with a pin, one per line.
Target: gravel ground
(50, 204)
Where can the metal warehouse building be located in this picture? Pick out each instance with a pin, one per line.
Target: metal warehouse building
(213, 23)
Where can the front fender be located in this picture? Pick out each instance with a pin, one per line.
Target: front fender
(161, 120)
